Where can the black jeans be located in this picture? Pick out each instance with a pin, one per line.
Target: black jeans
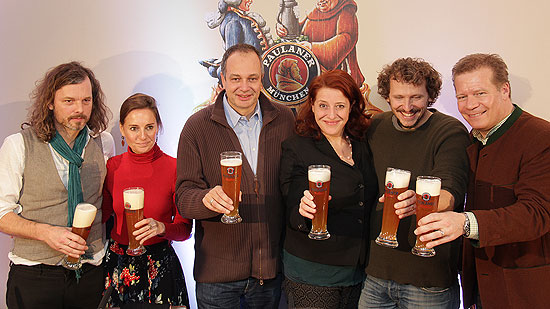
(45, 286)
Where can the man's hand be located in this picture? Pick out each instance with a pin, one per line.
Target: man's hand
(63, 240)
(280, 30)
(406, 205)
(440, 227)
(217, 201)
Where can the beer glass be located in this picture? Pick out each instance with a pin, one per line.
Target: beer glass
(427, 198)
(319, 187)
(84, 215)
(133, 211)
(231, 163)
(397, 182)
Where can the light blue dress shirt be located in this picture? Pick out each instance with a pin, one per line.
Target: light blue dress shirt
(247, 130)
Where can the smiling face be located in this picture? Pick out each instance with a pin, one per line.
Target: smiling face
(72, 107)
(331, 109)
(482, 103)
(408, 102)
(242, 81)
(326, 5)
(245, 5)
(140, 130)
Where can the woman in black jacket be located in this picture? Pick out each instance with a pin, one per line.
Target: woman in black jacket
(330, 128)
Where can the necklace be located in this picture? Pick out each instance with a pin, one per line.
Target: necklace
(347, 158)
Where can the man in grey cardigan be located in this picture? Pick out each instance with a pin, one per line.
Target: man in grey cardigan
(235, 263)
(46, 169)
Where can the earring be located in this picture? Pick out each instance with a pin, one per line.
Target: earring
(122, 142)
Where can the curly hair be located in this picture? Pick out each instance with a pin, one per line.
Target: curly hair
(139, 101)
(494, 62)
(41, 118)
(335, 79)
(414, 71)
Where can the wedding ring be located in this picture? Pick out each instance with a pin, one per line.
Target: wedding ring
(442, 233)
(212, 201)
(69, 243)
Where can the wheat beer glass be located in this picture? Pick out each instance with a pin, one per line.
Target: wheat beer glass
(319, 187)
(397, 182)
(427, 198)
(231, 163)
(84, 215)
(133, 210)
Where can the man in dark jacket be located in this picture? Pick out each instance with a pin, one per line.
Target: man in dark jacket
(507, 246)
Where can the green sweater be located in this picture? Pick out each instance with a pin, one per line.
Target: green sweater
(437, 148)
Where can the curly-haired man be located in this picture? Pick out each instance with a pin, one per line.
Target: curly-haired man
(420, 139)
(46, 170)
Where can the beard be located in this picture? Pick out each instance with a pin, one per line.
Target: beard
(76, 127)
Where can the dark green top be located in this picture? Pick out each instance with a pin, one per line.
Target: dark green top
(437, 148)
(321, 274)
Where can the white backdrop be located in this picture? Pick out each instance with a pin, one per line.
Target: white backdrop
(154, 47)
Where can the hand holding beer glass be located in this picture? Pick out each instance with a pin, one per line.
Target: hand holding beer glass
(319, 187)
(397, 182)
(427, 199)
(84, 215)
(231, 165)
(133, 211)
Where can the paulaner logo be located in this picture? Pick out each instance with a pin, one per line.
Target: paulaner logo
(319, 184)
(426, 196)
(230, 170)
(389, 185)
(290, 68)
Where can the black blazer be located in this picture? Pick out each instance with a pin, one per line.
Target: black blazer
(353, 189)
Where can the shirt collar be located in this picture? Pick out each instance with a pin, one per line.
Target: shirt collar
(484, 140)
(233, 117)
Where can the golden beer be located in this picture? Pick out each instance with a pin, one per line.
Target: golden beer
(427, 199)
(396, 182)
(319, 187)
(231, 168)
(84, 216)
(133, 211)
(82, 232)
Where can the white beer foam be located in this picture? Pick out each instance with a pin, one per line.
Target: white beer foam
(428, 185)
(84, 215)
(318, 174)
(231, 162)
(399, 178)
(134, 197)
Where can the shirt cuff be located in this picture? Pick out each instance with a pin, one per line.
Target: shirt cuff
(474, 230)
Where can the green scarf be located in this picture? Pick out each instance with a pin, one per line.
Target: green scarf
(74, 156)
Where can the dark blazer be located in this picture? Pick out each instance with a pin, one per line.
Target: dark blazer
(353, 190)
(509, 193)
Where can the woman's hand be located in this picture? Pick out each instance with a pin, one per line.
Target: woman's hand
(307, 206)
(148, 228)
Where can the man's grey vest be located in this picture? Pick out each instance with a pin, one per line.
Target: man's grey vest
(44, 197)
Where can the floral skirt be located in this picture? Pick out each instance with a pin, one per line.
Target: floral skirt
(156, 277)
